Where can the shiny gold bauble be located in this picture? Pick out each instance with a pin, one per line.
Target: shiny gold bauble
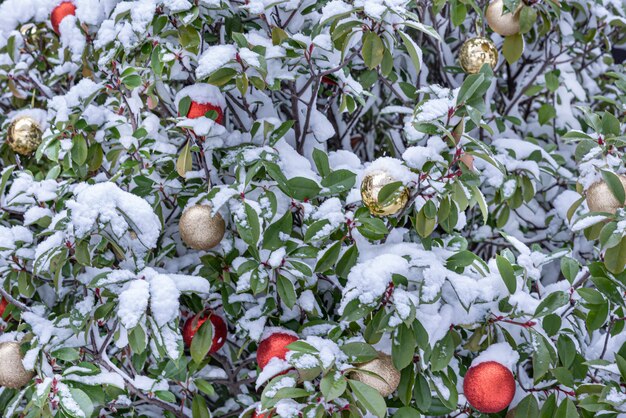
(478, 51)
(30, 33)
(24, 135)
(504, 24)
(600, 198)
(370, 187)
(386, 378)
(12, 372)
(199, 229)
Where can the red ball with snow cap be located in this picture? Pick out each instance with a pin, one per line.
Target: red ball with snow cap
(219, 330)
(274, 345)
(197, 110)
(204, 98)
(489, 387)
(61, 12)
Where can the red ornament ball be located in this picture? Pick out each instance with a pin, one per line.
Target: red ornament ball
(256, 414)
(219, 330)
(197, 110)
(3, 305)
(274, 346)
(489, 387)
(60, 12)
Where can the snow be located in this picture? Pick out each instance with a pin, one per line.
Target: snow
(201, 93)
(417, 156)
(133, 302)
(105, 205)
(499, 352)
(214, 58)
(335, 8)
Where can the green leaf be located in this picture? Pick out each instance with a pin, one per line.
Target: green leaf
(372, 50)
(610, 125)
(199, 408)
(403, 347)
(83, 401)
(546, 113)
(542, 360)
(552, 81)
(406, 412)
(137, 339)
(527, 408)
(615, 185)
(469, 87)
(347, 261)
(250, 230)
(513, 47)
(442, 353)
(390, 191)
(333, 385)
(329, 258)
(189, 38)
(271, 238)
(79, 149)
(527, 18)
(615, 258)
(551, 303)
(183, 106)
(201, 342)
(339, 181)
(569, 268)
(369, 398)
(286, 291)
(302, 188)
(422, 393)
(132, 81)
(184, 161)
(413, 49)
(507, 273)
(567, 409)
(358, 352)
(222, 76)
(321, 162)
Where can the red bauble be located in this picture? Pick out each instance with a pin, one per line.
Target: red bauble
(60, 12)
(489, 387)
(197, 110)
(219, 331)
(3, 305)
(274, 346)
(256, 414)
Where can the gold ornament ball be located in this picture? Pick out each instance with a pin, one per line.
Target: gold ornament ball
(478, 51)
(24, 135)
(387, 379)
(30, 33)
(601, 199)
(370, 187)
(199, 229)
(503, 24)
(12, 372)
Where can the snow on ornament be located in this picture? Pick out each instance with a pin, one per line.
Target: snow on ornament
(505, 24)
(371, 186)
(379, 374)
(476, 52)
(61, 12)
(204, 98)
(274, 345)
(489, 387)
(600, 198)
(12, 372)
(220, 331)
(200, 229)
